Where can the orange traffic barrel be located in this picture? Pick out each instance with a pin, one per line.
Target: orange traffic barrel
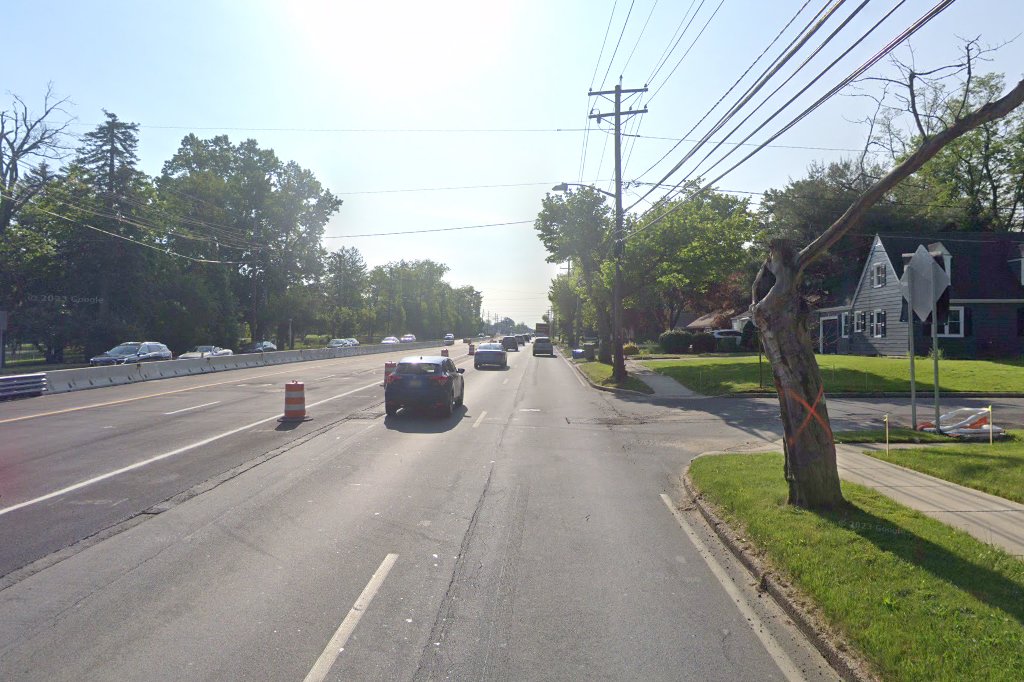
(444, 352)
(472, 349)
(294, 402)
(389, 367)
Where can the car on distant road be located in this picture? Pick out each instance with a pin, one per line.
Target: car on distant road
(390, 339)
(408, 338)
(352, 341)
(510, 343)
(449, 339)
(728, 334)
(133, 351)
(259, 347)
(542, 346)
(206, 352)
(339, 343)
(428, 381)
(490, 354)
(520, 339)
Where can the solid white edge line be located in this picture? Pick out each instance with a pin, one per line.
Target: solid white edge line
(194, 407)
(157, 458)
(333, 649)
(479, 419)
(786, 665)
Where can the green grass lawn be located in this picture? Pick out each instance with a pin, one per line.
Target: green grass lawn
(895, 436)
(601, 374)
(920, 600)
(846, 374)
(997, 469)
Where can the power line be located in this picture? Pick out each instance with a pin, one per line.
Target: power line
(903, 36)
(355, 130)
(164, 251)
(440, 229)
(639, 37)
(794, 46)
(670, 48)
(747, 144)
(694, 42)
(611, 60)
(443, 189)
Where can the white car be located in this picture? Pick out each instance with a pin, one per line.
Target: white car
(390, 339)
(408, 338)
(352, 342)
(338, 343)
(206, 352)
(449, 339)
(728, 334)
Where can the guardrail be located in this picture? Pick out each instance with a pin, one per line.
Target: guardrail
(65, 380)
(19, 385)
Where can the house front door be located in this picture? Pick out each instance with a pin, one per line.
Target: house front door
(830, 336)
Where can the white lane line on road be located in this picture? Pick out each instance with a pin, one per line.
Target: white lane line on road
(194, 407)
(786, 665)
(157, 458)
(322, 378)
(334, 647)
(480, 419)
(504, 382)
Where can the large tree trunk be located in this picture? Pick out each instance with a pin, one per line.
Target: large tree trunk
(810, 452)
(604, 333)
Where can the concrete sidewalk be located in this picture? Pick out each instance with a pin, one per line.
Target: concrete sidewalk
(663, 386)
(988, 518)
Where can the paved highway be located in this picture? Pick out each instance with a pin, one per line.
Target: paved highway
(532, 536)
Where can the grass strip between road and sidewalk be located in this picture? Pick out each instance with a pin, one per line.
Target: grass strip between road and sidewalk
(896, 435)
(721, 375)
(996, 469)
(917, 598)
(601, 374)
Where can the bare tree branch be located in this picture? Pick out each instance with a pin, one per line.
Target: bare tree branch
(928, 149)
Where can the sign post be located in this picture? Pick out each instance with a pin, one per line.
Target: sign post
(923, 283)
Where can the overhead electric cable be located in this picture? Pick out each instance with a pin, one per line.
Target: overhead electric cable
(813, 26)
(611, 60)
(639, 37)
(692, 43)
(670, 48)
(895, 42)
(440, 229)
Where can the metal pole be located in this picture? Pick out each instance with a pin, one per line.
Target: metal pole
(619, 361)
(913, 376)
(935, 359)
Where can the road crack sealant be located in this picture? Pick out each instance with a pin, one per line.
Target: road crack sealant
(52, 559)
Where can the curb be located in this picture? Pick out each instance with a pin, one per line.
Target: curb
(608, 389)
(945, 394)
(842, 662)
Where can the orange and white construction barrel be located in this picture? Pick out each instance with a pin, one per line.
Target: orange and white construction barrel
(294, 402)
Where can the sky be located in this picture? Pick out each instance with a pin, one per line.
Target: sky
(429, 116)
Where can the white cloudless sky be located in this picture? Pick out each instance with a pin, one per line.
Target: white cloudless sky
(375, 97)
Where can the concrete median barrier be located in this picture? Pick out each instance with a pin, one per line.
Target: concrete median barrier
(66, 380)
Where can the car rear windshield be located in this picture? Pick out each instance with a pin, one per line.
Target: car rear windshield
(491, 346)
(418, 368)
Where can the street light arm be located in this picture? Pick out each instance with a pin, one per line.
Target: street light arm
(564, 187)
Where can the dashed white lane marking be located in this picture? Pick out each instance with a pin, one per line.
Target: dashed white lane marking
(786, 665)
(157, 458)
(480, 419)
(326, 377)
(194, 407)
(337, 644)
(504, 382)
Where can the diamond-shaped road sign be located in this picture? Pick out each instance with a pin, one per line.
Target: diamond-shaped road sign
(923, 282)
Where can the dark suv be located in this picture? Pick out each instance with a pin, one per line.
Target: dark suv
(510, 343)
(424, 381)
(133, 351)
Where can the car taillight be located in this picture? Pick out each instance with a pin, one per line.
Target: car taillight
(440, 379)
(392, 378)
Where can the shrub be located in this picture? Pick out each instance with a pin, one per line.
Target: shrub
(630, 349)
(727, 346)
(706, 343)
(313, 340)
(675, 341)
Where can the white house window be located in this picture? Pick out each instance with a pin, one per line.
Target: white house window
(954, 324)
(860, 321)
(878, 324)
(878, 275)
(844, 325)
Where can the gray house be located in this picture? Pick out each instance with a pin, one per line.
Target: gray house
(986, 299)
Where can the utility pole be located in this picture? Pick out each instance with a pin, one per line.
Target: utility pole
(619, 360)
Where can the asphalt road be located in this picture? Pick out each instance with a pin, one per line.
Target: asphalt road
(532, 536)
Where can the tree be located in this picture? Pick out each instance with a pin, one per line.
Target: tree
(577, 226)
(25, 137)
(780, 313)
